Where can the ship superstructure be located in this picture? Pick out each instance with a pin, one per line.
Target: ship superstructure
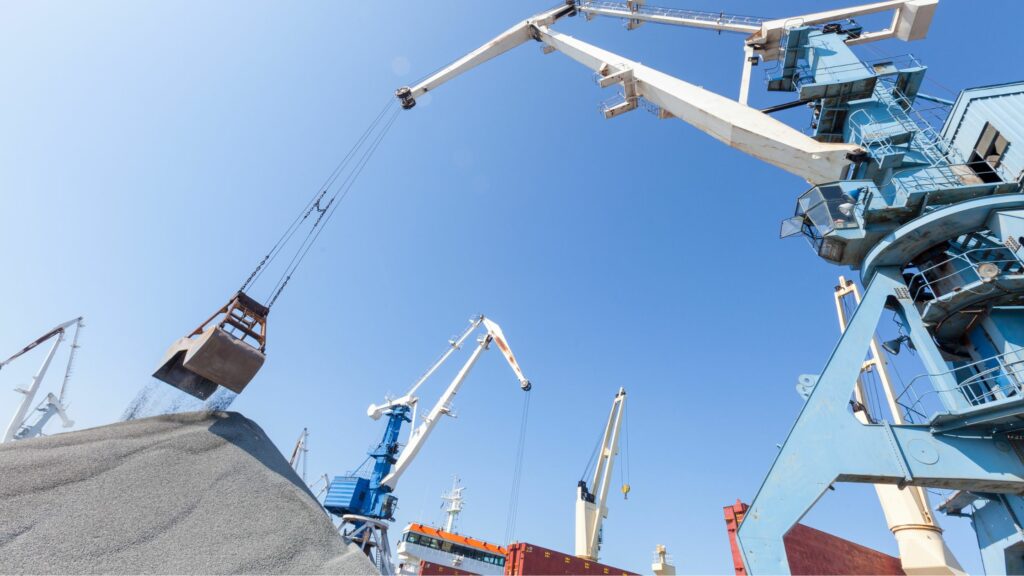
(424, 543)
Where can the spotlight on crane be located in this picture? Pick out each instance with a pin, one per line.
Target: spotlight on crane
(893, 346)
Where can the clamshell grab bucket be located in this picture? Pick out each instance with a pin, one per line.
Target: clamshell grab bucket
(227, 352)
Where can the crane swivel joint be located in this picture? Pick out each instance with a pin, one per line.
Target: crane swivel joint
(404, 94)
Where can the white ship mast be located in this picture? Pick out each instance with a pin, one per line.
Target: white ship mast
(454, 500)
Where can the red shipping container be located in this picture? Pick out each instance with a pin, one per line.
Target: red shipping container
(813, 552)
(429, 568)
(529, 560)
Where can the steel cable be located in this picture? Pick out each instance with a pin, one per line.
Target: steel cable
(327, 212)
(314, 201)
(513, 505)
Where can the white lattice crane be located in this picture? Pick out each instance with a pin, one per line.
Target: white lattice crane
(54, 404)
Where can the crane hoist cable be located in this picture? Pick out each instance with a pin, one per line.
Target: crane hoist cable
(361, 152)
(592, 459)
(229, 348)
(517, 473)
(624, 468)
(327, 212)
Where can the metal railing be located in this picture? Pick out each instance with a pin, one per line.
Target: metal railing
(682, 13)
(997, 378)
(952, 274)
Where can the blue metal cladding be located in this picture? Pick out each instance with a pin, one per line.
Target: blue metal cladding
(346, 495)
(1000, 105)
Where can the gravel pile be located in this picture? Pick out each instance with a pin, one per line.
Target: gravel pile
(199, 492)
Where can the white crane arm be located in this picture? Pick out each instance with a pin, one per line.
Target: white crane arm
(507, 40)
(59, 329)
(443, 406)
(18, 420)
(910, 21)
(735, 124)
(420, 433)
(375, 411)
(494, 331)
(728, 121)
(592, 510)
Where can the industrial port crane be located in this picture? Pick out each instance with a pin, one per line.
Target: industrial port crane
(366, 502)
(54, 404)
(592, 500)
(933, 218)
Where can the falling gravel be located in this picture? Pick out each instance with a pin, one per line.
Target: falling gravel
(190, 493)
(157, 398)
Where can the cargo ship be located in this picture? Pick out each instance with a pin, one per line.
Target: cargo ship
(425, 549)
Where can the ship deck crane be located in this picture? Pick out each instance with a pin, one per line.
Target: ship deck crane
(932, 218)
(54, 404)
(366, 502)
(592, 500)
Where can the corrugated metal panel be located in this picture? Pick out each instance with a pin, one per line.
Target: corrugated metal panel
(1003, 107)
(345, 494)
(527, 559)
(813, 552)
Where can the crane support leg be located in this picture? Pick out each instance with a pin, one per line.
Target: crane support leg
(827, 444)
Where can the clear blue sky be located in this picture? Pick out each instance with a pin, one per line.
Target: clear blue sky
(150, 152)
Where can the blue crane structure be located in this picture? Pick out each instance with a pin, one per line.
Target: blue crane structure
(933, 217)
(930, 213)
(365, 500)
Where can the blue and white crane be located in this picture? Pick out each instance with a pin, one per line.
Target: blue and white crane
(931, 216)
(366, 502)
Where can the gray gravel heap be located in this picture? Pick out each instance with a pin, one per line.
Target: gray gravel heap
(199, 492)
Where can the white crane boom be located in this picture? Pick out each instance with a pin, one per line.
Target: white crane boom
(592, 506)
(55, 404)
(442, 407)
(375, 411)
(729, 121)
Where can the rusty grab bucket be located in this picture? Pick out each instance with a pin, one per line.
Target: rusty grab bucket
(227, 352)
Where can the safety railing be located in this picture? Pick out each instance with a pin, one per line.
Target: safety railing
(923, 180)
(996, 378)
(682, 13)
(974, 265)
